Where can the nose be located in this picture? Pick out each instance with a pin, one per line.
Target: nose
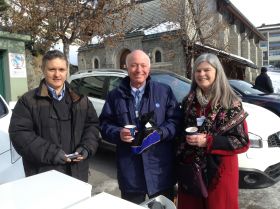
(138, 67)
(57, 72)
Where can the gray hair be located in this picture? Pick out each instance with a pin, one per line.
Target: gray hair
(137, 51)
(221, 91)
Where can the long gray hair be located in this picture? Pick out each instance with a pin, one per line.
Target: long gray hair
(221, 92)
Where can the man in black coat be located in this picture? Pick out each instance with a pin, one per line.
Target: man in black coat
(263, 82)
(52, 121)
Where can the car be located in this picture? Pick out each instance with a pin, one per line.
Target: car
(249, 94)
(11, 167)
(97, 83)
(259, 167)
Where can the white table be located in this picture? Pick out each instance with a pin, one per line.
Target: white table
(105, 201)
(49, 190)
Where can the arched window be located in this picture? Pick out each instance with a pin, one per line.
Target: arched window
(96, 63)
(158, 57)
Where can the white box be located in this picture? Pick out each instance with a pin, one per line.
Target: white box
(105, 201)
(49, 190)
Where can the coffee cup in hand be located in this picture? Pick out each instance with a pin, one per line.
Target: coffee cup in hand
(200, 120)
(131, 129)
(191, 130)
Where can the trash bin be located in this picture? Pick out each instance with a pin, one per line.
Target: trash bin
(159, 202)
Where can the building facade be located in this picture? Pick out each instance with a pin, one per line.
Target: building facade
(150, 30)
(13, 76)
(271, 46)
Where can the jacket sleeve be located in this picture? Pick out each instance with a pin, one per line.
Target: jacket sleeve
(269, 85)
(27, 143)
(234, 141)
(90, 136)
(173, 116)
(110, 130)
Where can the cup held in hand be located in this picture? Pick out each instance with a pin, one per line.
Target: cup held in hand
(200, 120)
(191, 130)
(131, 129)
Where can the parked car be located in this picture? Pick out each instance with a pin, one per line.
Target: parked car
(259, 167)
(11, 167)
(249, 94)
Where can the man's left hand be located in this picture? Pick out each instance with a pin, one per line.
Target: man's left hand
(83, 154)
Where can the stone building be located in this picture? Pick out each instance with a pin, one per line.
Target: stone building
(150, 28)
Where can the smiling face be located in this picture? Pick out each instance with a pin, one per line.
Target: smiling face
(205, 75)
(138, 67)
(55, 72)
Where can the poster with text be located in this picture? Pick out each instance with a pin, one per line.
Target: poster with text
(17, 65)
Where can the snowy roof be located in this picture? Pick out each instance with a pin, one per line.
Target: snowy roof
(157, 28)
(149, 30)
(238, 58)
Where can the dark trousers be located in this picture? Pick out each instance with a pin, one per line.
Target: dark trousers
(138, 198)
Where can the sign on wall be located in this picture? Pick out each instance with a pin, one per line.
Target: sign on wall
(17, 65)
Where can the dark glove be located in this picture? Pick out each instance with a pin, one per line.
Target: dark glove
(60, 158)
(145, 118)
(82, 151)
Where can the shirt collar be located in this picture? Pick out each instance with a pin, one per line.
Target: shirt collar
(53, 92)
(141, 89)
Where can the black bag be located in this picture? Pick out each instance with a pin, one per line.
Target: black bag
(191, 178)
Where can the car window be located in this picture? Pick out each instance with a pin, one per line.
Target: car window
(75, 83)
(114, 82)
(92, 86)
(245, 87)
(179, 87)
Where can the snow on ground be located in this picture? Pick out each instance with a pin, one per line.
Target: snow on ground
(275, 78)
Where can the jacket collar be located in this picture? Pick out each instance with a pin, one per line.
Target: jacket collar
(125, 88)
(42, 91)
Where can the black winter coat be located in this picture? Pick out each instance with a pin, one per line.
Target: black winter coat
(263, 83)
(35, 133)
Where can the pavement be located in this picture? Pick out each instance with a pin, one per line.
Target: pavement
(103, 177)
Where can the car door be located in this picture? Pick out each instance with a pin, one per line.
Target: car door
(94, 87)
(11, 167)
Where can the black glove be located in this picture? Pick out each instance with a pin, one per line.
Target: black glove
(144, 132)
(60, 158)
(82, 151)
(145, 118)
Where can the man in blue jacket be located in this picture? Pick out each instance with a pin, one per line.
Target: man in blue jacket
(149, 169)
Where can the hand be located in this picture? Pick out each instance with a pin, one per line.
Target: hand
(82, 152)
(125, 135)
(60, 158)
(198, 140)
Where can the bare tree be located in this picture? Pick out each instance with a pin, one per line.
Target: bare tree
(199, 24)
(3, 6)
(69, 21)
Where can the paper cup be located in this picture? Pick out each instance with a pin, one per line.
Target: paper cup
(191, 130)
(131, 129)
(200, 120)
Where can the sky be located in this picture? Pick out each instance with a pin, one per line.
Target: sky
(259, 12)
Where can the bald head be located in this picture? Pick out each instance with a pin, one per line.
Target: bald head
(138, 67)
(140, 54)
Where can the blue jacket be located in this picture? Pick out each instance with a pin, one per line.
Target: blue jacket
(153, 170)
